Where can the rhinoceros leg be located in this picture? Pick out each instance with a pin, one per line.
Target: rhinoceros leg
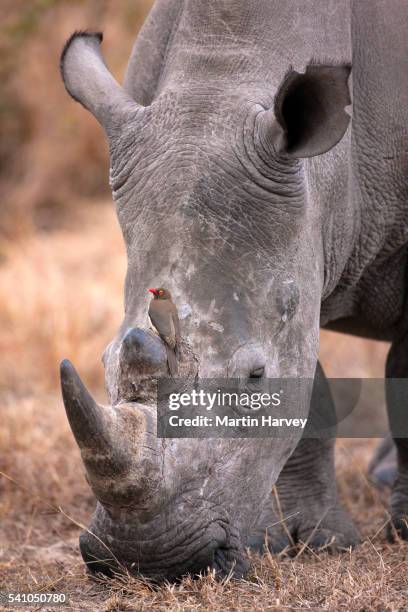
(397, 402)
(304, 505)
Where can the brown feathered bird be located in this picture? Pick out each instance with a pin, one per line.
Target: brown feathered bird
(164, 317)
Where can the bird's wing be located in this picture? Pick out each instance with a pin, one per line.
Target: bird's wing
(162, 320)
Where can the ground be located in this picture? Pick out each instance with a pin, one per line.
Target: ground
(61, 296)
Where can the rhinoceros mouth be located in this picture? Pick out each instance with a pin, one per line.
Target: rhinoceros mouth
(210, 548)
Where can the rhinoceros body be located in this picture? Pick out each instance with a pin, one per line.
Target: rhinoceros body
(243, 187)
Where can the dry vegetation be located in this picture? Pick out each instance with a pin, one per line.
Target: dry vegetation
(62, 265)
(45, 136)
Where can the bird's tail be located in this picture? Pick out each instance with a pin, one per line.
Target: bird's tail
(172, 361)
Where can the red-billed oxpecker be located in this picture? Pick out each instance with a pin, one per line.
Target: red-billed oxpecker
(164, 317)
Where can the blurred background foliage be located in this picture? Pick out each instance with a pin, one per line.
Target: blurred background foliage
(52, 153)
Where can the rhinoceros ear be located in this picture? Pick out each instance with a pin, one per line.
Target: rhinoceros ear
(309, 116)
(88, 81)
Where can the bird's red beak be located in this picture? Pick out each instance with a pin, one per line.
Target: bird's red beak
(154, 291)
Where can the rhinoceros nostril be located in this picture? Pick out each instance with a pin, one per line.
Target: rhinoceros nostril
(247, 362)
(257, 372)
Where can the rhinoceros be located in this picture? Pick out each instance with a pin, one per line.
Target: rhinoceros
(257, 163)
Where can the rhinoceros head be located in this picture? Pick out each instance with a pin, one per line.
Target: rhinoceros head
(213, 202)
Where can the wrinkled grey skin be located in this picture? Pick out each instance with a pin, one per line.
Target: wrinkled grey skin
(264, 223)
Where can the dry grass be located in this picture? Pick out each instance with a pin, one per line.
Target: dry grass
(61, 296)
(40, 548)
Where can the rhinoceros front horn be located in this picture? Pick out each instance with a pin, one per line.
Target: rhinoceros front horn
(118, 458)
(91, 423)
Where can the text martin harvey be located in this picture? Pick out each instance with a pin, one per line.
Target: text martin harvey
(226, 421)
